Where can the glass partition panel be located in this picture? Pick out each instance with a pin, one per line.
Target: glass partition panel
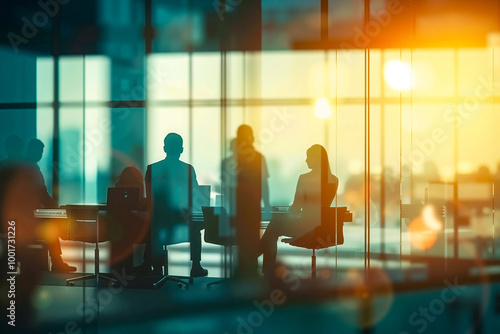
(71, 158)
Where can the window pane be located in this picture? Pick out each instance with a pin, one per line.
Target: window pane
(44, 79)
(168, 77)
(71, 78)
(299, 74)
(18, 79)
(206, 76)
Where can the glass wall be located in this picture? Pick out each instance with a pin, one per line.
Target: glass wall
(404, 128)
(429, 118)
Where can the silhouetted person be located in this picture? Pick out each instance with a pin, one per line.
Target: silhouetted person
(252, 187)
(34, 153)
(170, 185)
(229, 172)
(131, 177)
(54, 229)
(17, 203)
(315, 190)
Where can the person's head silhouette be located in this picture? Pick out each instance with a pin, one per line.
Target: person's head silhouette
(14, 146)
(34, 151)
(173, 145)
(131, 177)
(317, 158)
(244, 135)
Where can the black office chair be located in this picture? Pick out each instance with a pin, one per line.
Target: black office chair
(169, 230)
(83, 225)
(125, 224)
(212, 217)
(330, 233)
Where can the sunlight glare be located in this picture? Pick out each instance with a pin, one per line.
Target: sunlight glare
(398, 75)
(322, 108)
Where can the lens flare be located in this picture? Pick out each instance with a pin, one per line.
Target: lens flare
(398, 75)
(430, 218)
(370, 290)
(323, 109)
(423, 230)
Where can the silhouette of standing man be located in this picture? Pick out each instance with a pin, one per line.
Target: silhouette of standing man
(252, 186)
(170, 185)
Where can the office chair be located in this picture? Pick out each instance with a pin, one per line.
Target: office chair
(167, 228)
(83, 225)
(125, 224)
(212, 217)
(171, 199)
(159, 248)
(330, 233)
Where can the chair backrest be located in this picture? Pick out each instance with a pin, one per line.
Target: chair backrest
(211, 234)
(82, 223)
(212, 217)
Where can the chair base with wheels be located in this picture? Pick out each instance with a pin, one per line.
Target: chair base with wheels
(227, 254)
(83, 225)
(167, 278)
(329, 234)
(97, 276)
(71, 281)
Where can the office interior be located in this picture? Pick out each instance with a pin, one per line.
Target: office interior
(403, 95)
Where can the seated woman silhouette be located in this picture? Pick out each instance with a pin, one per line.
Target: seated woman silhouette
(315, 190)
(125, 228)
(131, 177)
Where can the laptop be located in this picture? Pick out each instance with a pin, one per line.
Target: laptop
(126, 199)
